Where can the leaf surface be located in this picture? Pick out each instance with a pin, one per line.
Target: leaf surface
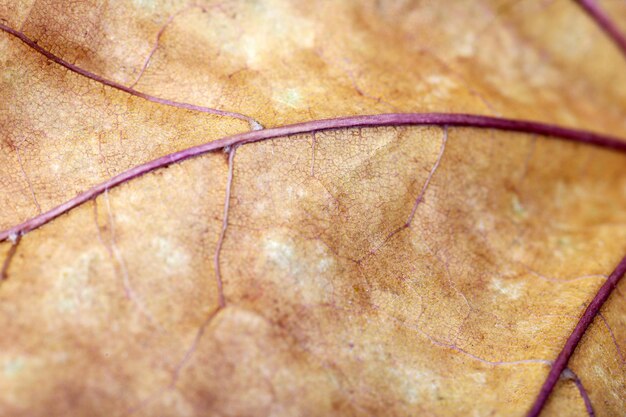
(397, 270)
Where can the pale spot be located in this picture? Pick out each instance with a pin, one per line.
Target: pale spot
(301, 192)
(518, 250)
(465, 45)
(260, 207)
(561, 193)
(295, 192)
(279, 252)
(533, 327)
(417, 385)
(512, 290)
(518, 208)
(324, 264)
(121, 217)
(485, 223)
(13, 238)
(564, 242)
(251, 47)
(304, 272)
(478, 377)
(176, 401)
(290, 97)
(175, 259)
(444, 85)
(60, 357)
(562, 246)
(13, 366)
(600, 372)
(74, 285)
(145, 4)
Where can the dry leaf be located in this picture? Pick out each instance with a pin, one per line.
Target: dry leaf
(389, 270)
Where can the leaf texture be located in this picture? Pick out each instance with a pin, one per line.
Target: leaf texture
(389, 270)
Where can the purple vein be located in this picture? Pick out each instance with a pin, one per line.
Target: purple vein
(562, 280)
(154, 48)
(574, 339)
(179, 366)
(313, 155)
(116, 255)
(420, 197)
(569, 374)
(610, 330)
(27, 178)
(605, 23)
(391, 119)
(418, 200)
(454, 347)
(585, 396)
(158, 39)
(95, 77)
(4, 272)
(221, 300)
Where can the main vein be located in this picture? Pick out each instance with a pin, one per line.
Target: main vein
(390, 119)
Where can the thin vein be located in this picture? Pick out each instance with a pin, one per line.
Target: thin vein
(605, 23)
(220, 242)
(420, 197)
(4, 272)
(116, 254)
(156, 46)
(585, 396)
(27, 178)
(113, 84)
(180, 366)
(610, 330)
(158, 38)
(446, 265)
(313, 155)
(573, 340)
(418, 200)
(569, 374)
(391, 119)
(468, 354)
(529, 156)
(562, 280)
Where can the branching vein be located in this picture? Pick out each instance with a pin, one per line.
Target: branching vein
(391, 119)
(254, 125)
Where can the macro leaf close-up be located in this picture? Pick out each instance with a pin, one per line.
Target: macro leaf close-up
(312, 208)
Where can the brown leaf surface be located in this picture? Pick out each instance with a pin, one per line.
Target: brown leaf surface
(332, 306)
